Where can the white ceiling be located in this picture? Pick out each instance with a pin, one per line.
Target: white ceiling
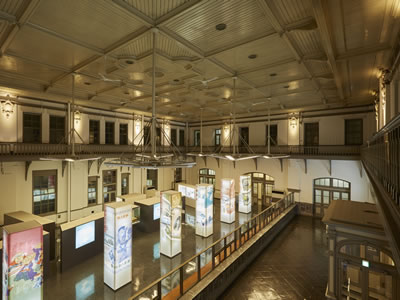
(309, 53)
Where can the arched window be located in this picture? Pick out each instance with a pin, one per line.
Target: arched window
(328, 189)
(367, 252)
(262, 185)
(207, 176)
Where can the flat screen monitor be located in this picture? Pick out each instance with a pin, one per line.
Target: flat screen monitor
(84, 234)
(156, 211)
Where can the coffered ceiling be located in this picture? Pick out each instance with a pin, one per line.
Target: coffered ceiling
(295, 54)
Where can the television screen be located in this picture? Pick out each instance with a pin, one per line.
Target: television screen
(156, 211)
(84, 234)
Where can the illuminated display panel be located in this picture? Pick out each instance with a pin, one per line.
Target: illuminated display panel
(84, 234)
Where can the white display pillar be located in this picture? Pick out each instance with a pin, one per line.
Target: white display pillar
(171, 223)
(23, 261)
(204, 210)
(245, 194)
(227, 200)
(117, 244)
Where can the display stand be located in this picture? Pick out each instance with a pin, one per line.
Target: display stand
(204, 210)
(117, 244)
(149, 214)
(23, 261)
(227, 200)
(189, 192)
(171, 223)
(245, 194)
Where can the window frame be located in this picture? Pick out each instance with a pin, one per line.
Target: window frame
(361, 133)
(56, 133)
(96, 139)
(125, 175)
(96, 191)
(219, 134)
(110, 184)
(40, 128)
(195, 141)
(126, 140)
(182, 137)
(106, 141)
(45, 173)
(266, 135)
(174, 137)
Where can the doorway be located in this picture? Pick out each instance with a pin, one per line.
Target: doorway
(311, 134)
(261, 187)
(243, 138)
(326, 190)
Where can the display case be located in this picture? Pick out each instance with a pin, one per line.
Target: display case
(23, 261)
(245, 194)
(117, 244)
(204, 210)
(227, 200)
(171, 223)
(135, 214)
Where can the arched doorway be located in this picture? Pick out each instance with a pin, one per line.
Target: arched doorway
(207, 176)
(326, 190)
(262, 185)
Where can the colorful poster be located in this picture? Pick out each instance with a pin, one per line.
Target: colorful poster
(245, 194)
(23, 261)
(204, 210)
(171, 223)
(227, 200)
(117, 244)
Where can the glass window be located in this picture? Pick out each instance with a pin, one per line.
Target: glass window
(336, 195)
(335, 182)
(124, 183)
(32, 128)
(273, 135)
(207, 176)
(181, 137)
(178, 174)
(354, 132)
(217, 137)
(173, 136)
(345, 196)
(57, 130)
(146, 134)
(152, 178)
(211, 172)
(158, 136)
(326, 197)
(44, 192)
(94, 132)
(92, 190)
(345, 184)
(317, 196)
(123, 134)
(351, 249)
(110, 133)
(197, 137)
(109, 185)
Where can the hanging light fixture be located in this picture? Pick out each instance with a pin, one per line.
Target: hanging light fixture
(175, 159)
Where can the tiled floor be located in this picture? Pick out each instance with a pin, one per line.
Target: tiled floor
(85, 281)
(293, 266)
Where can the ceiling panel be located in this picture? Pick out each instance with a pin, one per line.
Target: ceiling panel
(171, 47)
(283, 73)
(46, 48)
(308, 41)
(13, 7)
(287, 88)
(28, 69)
(155, 9)
(293, 100)
(242, 19)
(362, 75)
(318, 67)
(108, 23)
(139, 46)
(4, 28)
(291, 11)
(268, 50)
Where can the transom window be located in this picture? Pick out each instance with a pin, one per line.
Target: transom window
(207, 176)
(367, 252)
(92, 190)
(109, 185)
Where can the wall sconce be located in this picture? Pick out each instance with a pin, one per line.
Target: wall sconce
(7, 108)
(77, 116)
(293, 122)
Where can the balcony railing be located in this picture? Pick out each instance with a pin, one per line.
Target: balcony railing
(43, 150)
(196, 268)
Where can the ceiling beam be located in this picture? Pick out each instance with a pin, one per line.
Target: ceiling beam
(29, 10)
(173, 14)
(363, 51)
(322, 23)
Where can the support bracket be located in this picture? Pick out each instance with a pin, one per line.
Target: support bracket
(205, 160)
(281, 161)
(330, 167)
(361, 168)
(305, 166)
(90, 163)
(64, 164)
(27, 165)
(217, 159)
(256, 162)
(99, 163)
(234, 164)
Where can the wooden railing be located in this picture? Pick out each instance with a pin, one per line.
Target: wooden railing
(179, 280)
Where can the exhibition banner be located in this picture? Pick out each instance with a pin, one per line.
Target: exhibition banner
(23, 261)
(171, 223)
(204, 210)
(117, 244)
(227, 200)
(245, 194)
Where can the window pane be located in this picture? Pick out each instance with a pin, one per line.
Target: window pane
(336, 195)
(123, 134)
(110, 133)
(335, 182)
(354, 132)
(44, 191)
(32, 128)
(94, 132)
(317, 196)
(345, 184)
(326, 197)
(345, 196)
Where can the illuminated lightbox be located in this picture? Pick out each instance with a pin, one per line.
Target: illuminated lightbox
(84, 234)
(204, 210)
(227, 200)
(171, 223)
(245, 194)
(156, 211)
(23, 261)
(117, 244)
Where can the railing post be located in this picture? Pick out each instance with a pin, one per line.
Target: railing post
(213, 257)
(199, 267)
(181, 280)
(159, 296)
(224, 248)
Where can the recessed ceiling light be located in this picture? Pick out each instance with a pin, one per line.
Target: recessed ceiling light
(221, 26)
(252, 56)
(273, 74)
(286, 86)
(176, 80)
(126, 93)
(129, 62)
(87, 83)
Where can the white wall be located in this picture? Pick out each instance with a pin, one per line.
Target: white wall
(292, 176)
